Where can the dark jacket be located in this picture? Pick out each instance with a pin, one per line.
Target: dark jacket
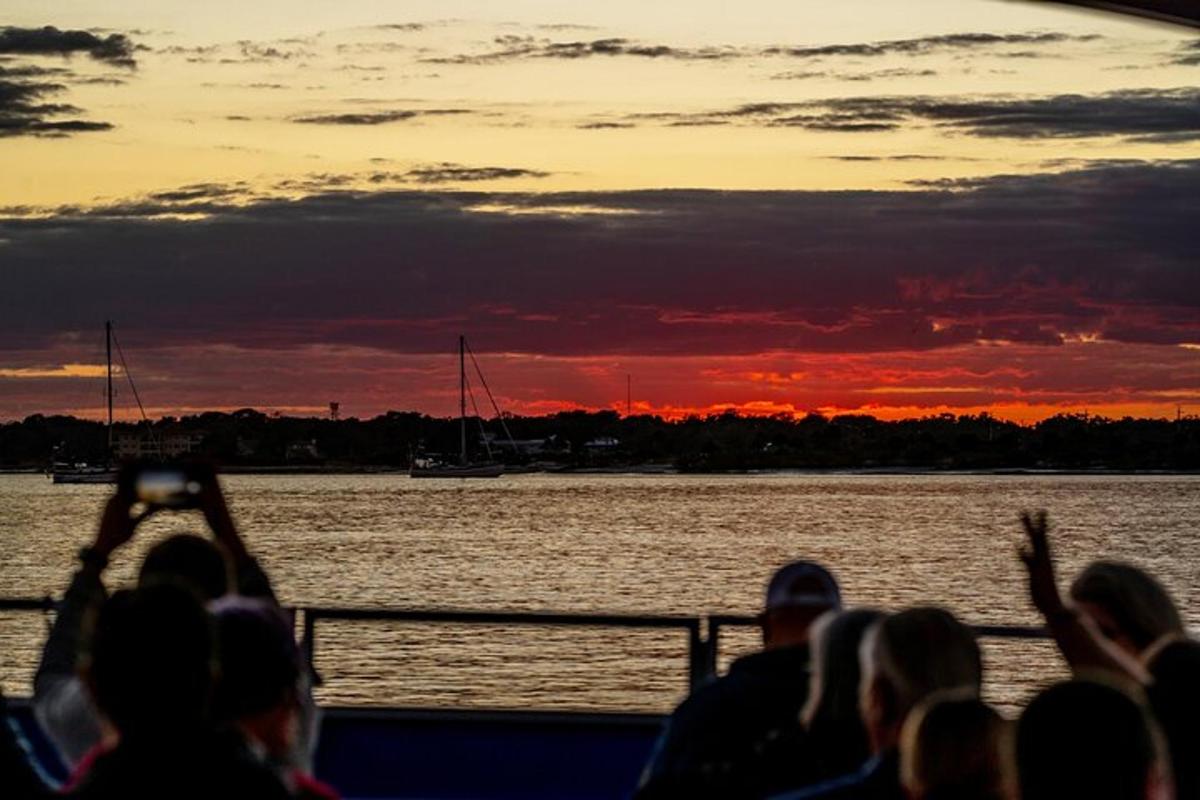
(796, 757)
(712, 743)
(1175, 699)
(187, 766)
(878, 779)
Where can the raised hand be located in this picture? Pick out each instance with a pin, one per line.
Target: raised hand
(216, 513)
(117, 522)
(1043, 589)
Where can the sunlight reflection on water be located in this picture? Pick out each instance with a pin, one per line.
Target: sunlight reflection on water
(634, 544)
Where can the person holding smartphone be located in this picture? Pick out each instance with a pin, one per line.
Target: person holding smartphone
(211, 568)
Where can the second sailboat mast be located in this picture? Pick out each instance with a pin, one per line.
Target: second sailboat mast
(462, 399)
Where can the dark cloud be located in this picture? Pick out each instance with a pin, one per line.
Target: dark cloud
(457, 173)
(1188, 55)
(99, 80)
(23, 112)
(600, 126)
(932, 44)
(362, 48)
(199, 191)
(860, 77)
(377, 117)
(513, 47)
(1156, 115)
(198, 50)
(1146, 115)
(245, 51)
(115, 48)
(32, 71)
(900, 157)
(25, 88)
(252, 52)
(1105, 253)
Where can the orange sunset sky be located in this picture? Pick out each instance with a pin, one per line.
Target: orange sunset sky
(897, 208)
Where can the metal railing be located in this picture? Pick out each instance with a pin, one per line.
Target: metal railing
(703, 632)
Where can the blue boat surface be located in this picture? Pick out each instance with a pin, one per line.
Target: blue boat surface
(397, 753)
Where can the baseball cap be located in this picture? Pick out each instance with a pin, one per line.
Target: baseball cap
(803, 584)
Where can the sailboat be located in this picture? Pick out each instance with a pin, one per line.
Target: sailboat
(63, 472)
(465, 468)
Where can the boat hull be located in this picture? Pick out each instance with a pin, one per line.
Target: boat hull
(84, 476)
(466, 471)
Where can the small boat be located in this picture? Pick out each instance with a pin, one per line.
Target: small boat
(81, 472)
(65, 471)
(434, 469)
(426, 467)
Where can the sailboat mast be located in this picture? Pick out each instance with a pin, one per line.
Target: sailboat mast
(108, 360)
(462, 399)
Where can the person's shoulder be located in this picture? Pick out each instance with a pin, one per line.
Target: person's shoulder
(875, 780)
(845, 787)
(704, 697)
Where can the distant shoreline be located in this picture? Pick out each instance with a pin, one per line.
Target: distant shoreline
(661, 470)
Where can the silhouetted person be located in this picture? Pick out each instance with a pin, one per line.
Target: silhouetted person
(1097, 635)
(828, 739)
(149, 668)
(1088, 740)
(950, 749)
(211, 568)
(260, 693)
(711, 745)
(1174, 695)
(1127, 604)
(905, 658)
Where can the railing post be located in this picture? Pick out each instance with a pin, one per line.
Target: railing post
(714, 645)
(700, 657)
(308, 641)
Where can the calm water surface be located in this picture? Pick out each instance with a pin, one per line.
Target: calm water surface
(641, 544)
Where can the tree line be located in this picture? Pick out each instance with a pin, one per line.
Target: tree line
(582, 439)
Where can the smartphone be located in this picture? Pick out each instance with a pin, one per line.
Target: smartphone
(169, 487)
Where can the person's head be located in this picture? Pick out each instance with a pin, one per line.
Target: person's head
(1083, 738)
(908, 656)
(258, 687)
(950, 747)
(831, 711)
(833, 686)
(191, 560)
(149, 660)
(796, 595)
(1129, 606)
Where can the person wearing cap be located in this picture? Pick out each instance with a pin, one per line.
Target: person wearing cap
(711, 744)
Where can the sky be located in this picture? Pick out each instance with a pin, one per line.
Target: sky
(894, 208)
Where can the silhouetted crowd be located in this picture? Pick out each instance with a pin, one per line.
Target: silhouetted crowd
(191, 685)
(864, 705)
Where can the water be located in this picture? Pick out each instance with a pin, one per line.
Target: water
(633, 544)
